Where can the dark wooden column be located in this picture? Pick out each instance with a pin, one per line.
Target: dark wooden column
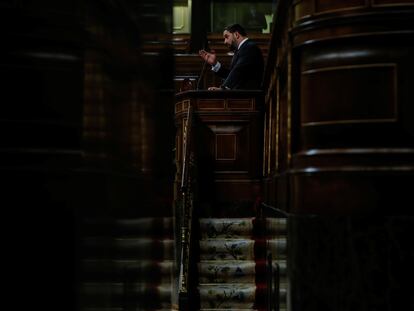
(200, 24)
(340, 150)
(86, 139)
(41, 69)
(352, 117)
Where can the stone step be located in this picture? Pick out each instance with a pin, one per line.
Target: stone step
(242, 249)
(227, 271)
(236, 271)
(228, 228)
(229, 249)
(233, 267)
(237, 295)
(230, 296)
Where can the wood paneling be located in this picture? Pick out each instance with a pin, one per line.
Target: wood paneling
(229, 142)
(210, 104)
(391, 2)
(303, 9)
(359, 93)
(226, 147)
(240, 104)
(340, 83)
(337, 86)
(324, 6)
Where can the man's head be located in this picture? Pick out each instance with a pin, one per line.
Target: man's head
(233, 35)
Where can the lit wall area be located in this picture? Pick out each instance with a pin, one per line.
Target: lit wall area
(182, 16)
(256, 17)
(253, 16)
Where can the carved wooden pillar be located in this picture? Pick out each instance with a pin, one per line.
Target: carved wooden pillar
(352, 118)
(340, 150)
(41, 69)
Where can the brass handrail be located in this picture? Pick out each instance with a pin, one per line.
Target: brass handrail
(186, 148)
(186, 213)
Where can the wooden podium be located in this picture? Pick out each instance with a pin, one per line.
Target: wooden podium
(227, 136)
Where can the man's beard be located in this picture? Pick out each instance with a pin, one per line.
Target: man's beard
(232, 47)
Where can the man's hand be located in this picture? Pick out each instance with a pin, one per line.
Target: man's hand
(214, 88)
(210, 58)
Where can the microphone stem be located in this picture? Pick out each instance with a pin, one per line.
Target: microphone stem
(201, 74)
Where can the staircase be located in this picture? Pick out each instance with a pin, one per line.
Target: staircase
(233, 266)
(127, 264)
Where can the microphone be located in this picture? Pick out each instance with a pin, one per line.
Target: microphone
(200, 77)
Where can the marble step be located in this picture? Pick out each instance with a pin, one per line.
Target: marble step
(242, 249)
(238, 295)
(228, 271)
(226, 227)
(232, 296)
(229, 249)
(241, 227)
(236, 271)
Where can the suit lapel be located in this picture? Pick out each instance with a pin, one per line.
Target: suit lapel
(236, 55)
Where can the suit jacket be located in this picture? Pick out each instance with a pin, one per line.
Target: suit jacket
(246, 69)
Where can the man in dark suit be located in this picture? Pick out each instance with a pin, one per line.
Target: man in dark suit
(246, 68)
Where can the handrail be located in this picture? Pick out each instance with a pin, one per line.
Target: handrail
(186, 148)
(277, 211)
(186, 214)
(283, 214)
